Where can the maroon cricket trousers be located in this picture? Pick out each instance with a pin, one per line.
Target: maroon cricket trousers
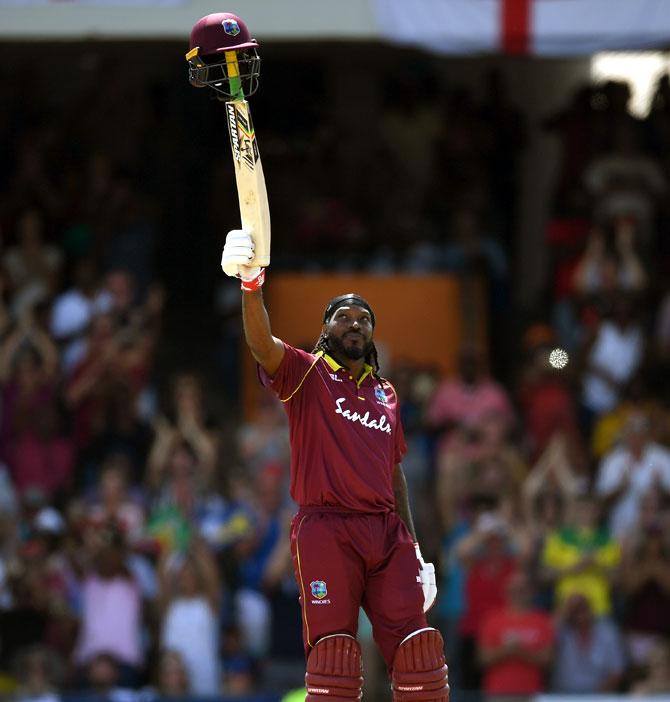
(346, 560)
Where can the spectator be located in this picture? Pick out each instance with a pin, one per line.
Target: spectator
(113, 504)
(549, 492)
(172, 677)
(465, 400)
(189, 600)
(625, 181)
(488, 555)
(104, 676)
(589, 657)
(612, 360)
(657, 680)
(111, 614)
(581, 558)
(187, 424)
(39, 673)
(645, 581)
(630, 471)
(33, 266)
(73, 311)
(516, 643)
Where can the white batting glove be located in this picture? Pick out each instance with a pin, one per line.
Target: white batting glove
(427, 577)
(237, 252)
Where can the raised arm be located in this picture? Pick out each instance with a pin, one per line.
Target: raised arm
(265, 348)
(237, 253)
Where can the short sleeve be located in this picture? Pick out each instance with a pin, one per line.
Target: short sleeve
(399, 442)
(291, 372)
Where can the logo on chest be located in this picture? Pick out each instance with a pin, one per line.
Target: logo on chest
(380, 424)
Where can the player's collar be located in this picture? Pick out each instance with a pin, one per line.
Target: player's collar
(367, 368)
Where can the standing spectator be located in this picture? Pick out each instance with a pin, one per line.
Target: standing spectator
(32, 265)
(625, 181)
(113, 503)
(465, 400)
(612, 359)
(190, 595)
(516, 643)
(73, 311)
(581, 558)
(630, 471)
(111, 612)
(589, 656)
(487, 553)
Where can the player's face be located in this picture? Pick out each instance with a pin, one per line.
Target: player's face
(349, 332)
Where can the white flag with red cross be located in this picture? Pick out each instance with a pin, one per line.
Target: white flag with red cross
(536, 27)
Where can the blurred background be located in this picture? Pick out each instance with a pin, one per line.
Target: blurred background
(493, 176)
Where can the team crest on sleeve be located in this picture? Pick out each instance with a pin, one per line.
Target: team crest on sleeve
(381, 395)
(319, 589)
(230, 26)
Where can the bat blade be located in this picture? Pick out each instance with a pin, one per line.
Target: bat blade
(251, 190)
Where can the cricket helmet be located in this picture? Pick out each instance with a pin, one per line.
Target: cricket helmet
(211, 38)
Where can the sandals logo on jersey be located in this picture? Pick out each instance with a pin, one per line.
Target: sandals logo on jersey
(319, 590)
(231, 27)
(381, 396)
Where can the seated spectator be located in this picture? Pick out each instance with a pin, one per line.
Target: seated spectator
(589, 657)
(111, 613)
(657, 678)
(581, 558)
(627, 473)
(39, 673)
(516, 643)
(645, 581)
(104, 676)
(189, 599)
(237, 664)
(171, 677)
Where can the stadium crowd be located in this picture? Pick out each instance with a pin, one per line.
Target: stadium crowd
(143, 523)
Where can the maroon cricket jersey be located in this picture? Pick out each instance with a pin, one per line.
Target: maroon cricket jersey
(346, 435)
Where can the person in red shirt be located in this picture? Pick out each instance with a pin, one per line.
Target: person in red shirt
(516, 643)
(352, 540)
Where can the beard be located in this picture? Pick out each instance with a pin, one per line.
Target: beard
(353, 353)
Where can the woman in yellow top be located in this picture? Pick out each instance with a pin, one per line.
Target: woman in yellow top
(582, 558)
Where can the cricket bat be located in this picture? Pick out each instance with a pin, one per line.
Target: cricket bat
(251, 191)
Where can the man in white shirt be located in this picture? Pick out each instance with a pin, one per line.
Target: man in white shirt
(630, 471)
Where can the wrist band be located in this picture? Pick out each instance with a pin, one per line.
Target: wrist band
(255, 283)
